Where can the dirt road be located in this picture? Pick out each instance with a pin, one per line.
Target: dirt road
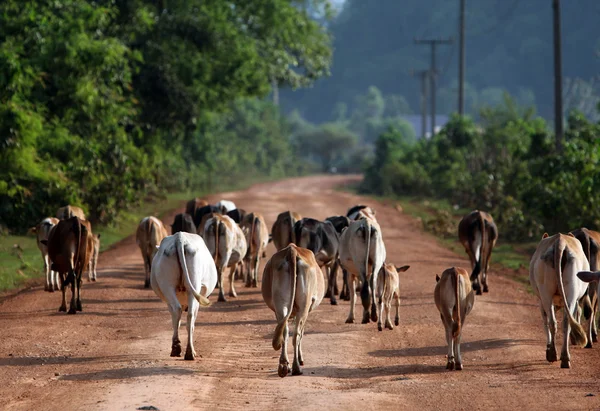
(115, 355)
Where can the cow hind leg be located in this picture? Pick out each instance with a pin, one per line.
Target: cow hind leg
(484, 281)
(49, 286)
(63, 305)
(365, 296)
(332, 285)
(373, 283)
(345, 294)
(397, 303)
(296, 370)
(565, 356)
(380, 308)
(232, 292)
(255, 271)
(458, 358)
(176, 311)
(450, 340)
(387, 309)
(350, 319)
(78, 306)
(284, 364)
(549, 320)
(220, 283)
(147, 270)
(190, 353)
(73, 304)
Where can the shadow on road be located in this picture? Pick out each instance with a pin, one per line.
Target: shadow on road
(124, 373)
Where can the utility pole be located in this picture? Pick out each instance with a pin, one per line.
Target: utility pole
(461, 61)
(558, 109)
(433, 72)
(424, 74)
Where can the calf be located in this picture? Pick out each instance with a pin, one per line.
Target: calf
(183, 275)
(42, 230)
(69, 211)
(227, 245)
(193, 205)
(68, 250)
(553, 276)
(590, 242)
(388, 287)
(282, 232)
(93, 251)
(149, 234)
(183, 222)
(322, 239)
(454, 299)
(477, 232)
(257, 238)
(292, 286)
(362, 254)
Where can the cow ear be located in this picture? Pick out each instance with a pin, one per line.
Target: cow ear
(437, 278)
(545, 236)
(588, 276)
(45, 242)
(403, 268)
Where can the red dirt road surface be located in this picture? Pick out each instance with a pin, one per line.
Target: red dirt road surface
(115, 354)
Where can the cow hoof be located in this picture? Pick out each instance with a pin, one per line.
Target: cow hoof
(233, 295)
(62, 309)
(342, 295)
(333, 302)
(389, 325)
(346, 298)
(222, 298)
(373, 315)
(589, 344)
(565, 364)
(72, 311)
(283, 370)
(176, 350)
(79, 308)
(94, 279)
(594, 338)
(551, 354)
(379, 327)
(46, 288)
(458, 366)
(56, 288)
(51, 290)
(147, 284)
(485, 289)
(365, 321)
(254, 284)
(450, 365)
(478, 292)
(297, 371)
(189, 355)
(396, 321)
(350, 321)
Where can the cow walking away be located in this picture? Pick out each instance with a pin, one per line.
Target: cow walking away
(590, 242)
(477, 232)
(292, 286)
(42, 230)
(68, 250)
(227, 245)
(282, 231)
(362, 254)
(388, 288)
(553, 276)
(454, 299)
(340, 223)
(183, 222)
(183, 275)
(149, 234)
(257, 238)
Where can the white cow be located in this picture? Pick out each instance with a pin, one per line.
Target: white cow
(362, 254)
(183, 274)
(226, 206)
(555, 285)
(42, 230)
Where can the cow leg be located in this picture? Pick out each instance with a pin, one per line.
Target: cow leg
(49, 286)
(458, 365)
(79, 307)
(232, 292)
(365, 296)
(565, 356)
(300, 321)
(284, 364)
(373, 285)
(190, 353)
(73, 305)
(380, 308)
(450, 340)
(176, 311)
(220, 270)
(332, 284)
(397, 303)
(594, 299)
(63, 305)
(248, 272)
(484, 281)
(387, 309)
(350, 319)
(56, 280)
(256, 262)
(549, 320)
(147, 270)
(345, 294)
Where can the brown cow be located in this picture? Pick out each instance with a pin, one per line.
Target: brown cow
(149, 234)
(292, 286)
(193, 205)
(477, 232)
(454, 299)
(388, 287)
(590, 241)
(227, 245)
(42, 230)
(69, 211)
(257, 237)
(282, 232)
(68, 250)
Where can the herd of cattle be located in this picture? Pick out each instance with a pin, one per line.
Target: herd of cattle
(184, 268)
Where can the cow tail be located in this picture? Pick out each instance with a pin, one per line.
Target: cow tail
(186, 275)
(368, 235)
(479, 263)
(577, 332)
(292, 238)
(278, 337)
(216, 225)
(456, 322)
(252, 233)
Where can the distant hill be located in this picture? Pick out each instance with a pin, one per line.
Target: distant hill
(509, 47)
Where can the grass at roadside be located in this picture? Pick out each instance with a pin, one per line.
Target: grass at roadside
(21, 261)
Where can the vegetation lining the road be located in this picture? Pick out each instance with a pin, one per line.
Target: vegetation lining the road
(21, 258)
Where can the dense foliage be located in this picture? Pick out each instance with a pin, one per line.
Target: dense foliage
(104, 102)
(507, 166)
(508, 48)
